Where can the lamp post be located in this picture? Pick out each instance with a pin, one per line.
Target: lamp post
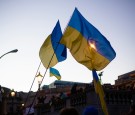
(39, 79)
(100, 75)
(12, 97)
(12, 51)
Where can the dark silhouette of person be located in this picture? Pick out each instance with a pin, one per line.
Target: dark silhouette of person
(1, 99)
(41, 99)
(74, 89)
(62, 95)
(69, 111)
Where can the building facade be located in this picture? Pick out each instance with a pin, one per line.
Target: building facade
(126, 81)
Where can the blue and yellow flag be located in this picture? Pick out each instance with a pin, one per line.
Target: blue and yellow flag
(80, 36)
(52, 52)
(90, 48)
(55, 72)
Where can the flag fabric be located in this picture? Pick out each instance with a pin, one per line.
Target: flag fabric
(78, 36)
(55, 72)
(52, 52)
(100, 92)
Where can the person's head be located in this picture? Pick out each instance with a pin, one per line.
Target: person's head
(69, 111)
(90, 110)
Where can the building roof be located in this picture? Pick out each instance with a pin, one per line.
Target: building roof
(61, 82)
(127, 75)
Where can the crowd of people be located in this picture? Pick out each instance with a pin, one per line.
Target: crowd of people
(55, 100)
(90, 110)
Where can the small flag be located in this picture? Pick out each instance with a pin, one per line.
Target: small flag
(55, 72)
(52, 52)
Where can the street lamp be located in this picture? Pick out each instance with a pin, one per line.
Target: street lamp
(39, 79)
(100, 75)
(12, 51)
(22, 104)
(12, 96)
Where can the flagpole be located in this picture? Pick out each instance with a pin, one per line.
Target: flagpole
(97, 85)
(31, 87)
(42, 80)
(100, 92)
(97, 97)
(46, 71)
(92, 61)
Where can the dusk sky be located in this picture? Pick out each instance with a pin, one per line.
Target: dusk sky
(25, 24)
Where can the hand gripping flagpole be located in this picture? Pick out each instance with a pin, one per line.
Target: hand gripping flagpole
(97, 84)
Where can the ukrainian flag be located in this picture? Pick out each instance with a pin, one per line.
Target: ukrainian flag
(87, 45)
(52, 52)
(55, 72)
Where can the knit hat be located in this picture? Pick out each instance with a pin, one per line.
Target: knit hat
(90, 111)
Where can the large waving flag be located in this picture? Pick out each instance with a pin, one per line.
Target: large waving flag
(90, 48)
(78, 36)
(55, 72)
(52, 52)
